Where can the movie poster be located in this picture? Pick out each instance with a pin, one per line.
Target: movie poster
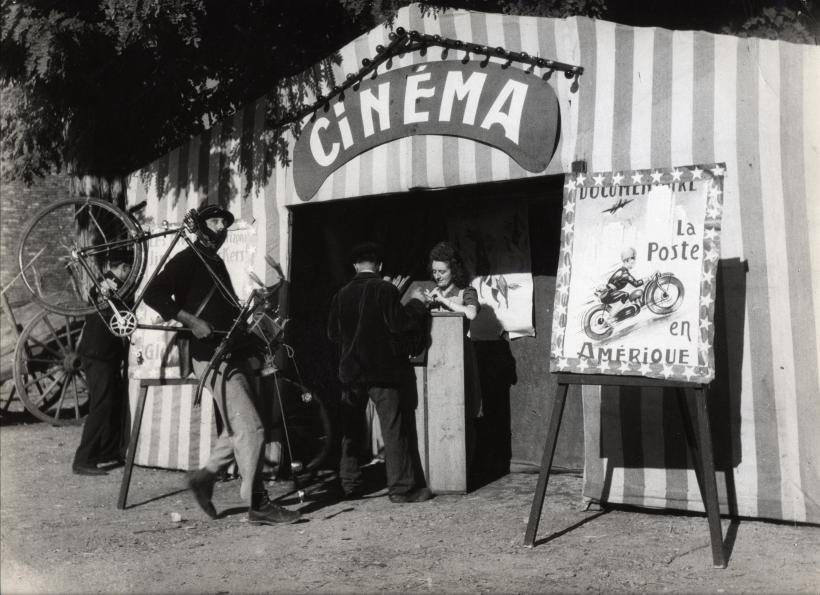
(635, 290)
(495, 245)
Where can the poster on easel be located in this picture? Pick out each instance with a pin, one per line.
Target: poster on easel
(635, 289)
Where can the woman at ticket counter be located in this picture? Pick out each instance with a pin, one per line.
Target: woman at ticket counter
(452, 293)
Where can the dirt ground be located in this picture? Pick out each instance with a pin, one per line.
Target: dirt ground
(62, 533)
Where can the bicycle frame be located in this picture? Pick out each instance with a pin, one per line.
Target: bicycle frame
(179, 233)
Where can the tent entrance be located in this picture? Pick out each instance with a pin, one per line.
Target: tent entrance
(407, 225)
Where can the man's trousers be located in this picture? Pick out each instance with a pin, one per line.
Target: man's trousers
(243, 436)
(401, 472)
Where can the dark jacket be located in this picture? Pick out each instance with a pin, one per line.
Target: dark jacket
(366, 320)
(183, 284)
(98, 342)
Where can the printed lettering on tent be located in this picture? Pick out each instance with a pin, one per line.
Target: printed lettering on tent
(636, 278)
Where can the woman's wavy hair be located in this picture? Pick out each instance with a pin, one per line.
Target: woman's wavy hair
(444, 252)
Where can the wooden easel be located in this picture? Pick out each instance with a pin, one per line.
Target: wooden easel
(145, 383)
(701, 448)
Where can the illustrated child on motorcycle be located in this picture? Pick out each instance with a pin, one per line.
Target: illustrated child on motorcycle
(614, 292)
(661, 293)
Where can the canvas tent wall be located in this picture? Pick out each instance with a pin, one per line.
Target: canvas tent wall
(648, 98)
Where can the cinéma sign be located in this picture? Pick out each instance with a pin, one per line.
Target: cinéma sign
(506, 108)
(635, 293)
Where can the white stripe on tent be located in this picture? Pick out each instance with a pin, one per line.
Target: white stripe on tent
(144, 452)
(725, 141)
(467, 157)
(774, 227)
(652, 430)
(568, 48)
(811, 147)
(499, 161)
(640, 146)
(731, 245)
(205, 423)
(193, 190)
(605, 96)
(236, 180)
(681, 128)
(186, 404)
(165, 394)
(213, 163)
(433, 145)
(258, 198)
(683, 77)
(405, 144)
(282, 198)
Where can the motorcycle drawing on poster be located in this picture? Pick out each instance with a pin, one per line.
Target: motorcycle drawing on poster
(635, 290)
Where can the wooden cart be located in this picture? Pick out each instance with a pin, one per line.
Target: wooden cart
(44, 363)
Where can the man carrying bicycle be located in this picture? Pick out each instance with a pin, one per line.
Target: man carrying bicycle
(195, 289)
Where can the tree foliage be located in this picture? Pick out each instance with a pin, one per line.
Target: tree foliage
(777, 22)
(104, 86)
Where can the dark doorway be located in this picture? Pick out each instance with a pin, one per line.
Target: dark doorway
(408, 225)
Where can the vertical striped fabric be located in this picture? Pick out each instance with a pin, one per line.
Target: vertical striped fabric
(174, 434)
(649, 98)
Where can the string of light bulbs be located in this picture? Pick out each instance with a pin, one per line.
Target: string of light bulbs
(403, 42)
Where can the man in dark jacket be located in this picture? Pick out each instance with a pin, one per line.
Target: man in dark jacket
(367, 320)
(186, 291)
(102, 354)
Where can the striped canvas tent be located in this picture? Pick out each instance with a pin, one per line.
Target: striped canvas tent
(648, 98)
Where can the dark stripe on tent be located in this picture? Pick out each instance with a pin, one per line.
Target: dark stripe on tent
(754, 245)
(703, 99)
(622, 108)
(661, 154)
(585, 96)
(804, 329)
(483, 160)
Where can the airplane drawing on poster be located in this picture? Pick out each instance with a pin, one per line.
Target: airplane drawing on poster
(636, 278)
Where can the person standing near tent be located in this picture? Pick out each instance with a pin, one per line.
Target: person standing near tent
(185, 291)
(452, 293)
(102, 354)
(367, 320)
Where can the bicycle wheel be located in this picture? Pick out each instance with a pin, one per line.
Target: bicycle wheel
(47, 372)
(306, 434)
(64, 247)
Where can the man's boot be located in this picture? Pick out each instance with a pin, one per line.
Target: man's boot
(265, 512)
(201, 483)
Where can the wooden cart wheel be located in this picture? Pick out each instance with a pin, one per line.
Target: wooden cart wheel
(47, 372)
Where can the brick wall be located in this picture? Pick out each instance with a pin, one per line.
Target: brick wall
(18, 203)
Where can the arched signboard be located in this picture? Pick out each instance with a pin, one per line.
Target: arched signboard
(506, 108)
(635, 291)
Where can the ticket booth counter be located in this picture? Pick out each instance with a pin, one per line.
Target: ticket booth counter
(440, 413)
